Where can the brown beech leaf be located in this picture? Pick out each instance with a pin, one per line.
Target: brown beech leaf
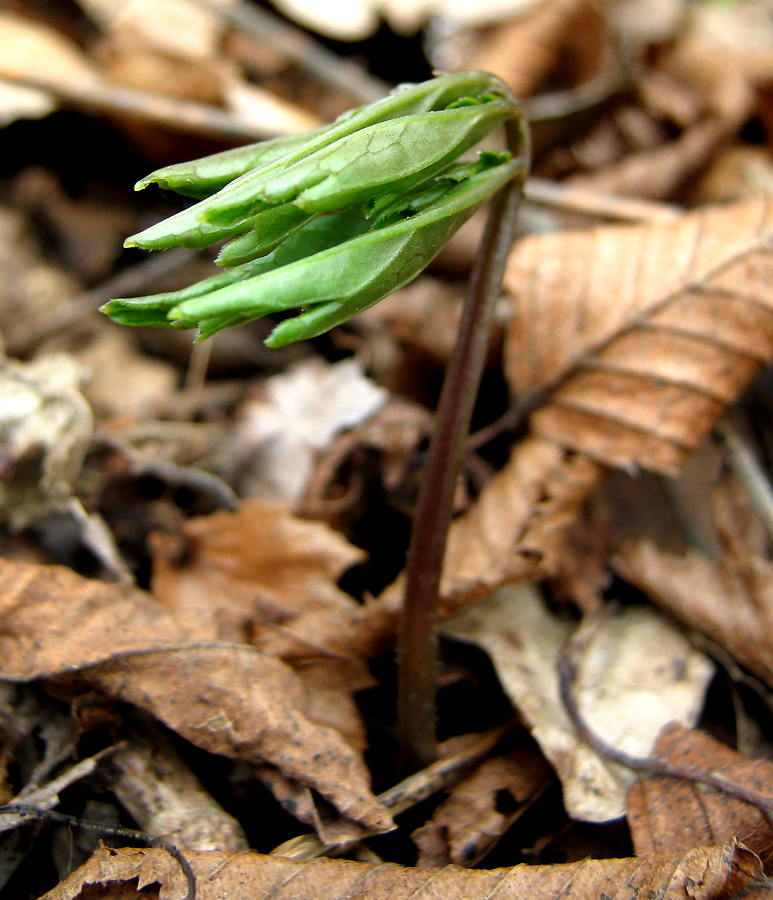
(513, 532)
(231, 574)
(465, 827)
(731, 602)
(707, 873)
(677, 814)
(229, 699)
(638, 337)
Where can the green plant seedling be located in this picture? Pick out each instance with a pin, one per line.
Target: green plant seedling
(323, 226)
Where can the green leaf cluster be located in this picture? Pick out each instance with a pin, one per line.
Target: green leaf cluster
(331, 221)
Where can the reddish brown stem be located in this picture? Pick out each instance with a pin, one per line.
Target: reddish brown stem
(417, 645)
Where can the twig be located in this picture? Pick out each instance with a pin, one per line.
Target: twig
(749, 472)
(36, 814)
(651, 765)
(621, 209)
(412, 790)
(417, 642)
(326, 66)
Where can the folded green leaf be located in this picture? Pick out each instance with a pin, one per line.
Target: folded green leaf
(389, 156)
(228, 212)
(336, 283)
(203, 177)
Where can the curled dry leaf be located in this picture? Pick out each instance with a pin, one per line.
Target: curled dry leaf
(731, 602)
(481, 808)
(229, 576)
(637, 672)
(708, 873)
(677, 814)
(228, 699)
(638, 337)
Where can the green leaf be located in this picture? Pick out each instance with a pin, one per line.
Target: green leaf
(344, 280)
(192, 228)
(390, 156)
(202, 177)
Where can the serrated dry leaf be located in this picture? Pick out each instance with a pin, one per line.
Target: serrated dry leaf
(637, 672)
(710, 873)
(731, 602)
(638, 337)
(228, 699)
(677, 814)
(466, 826)
(230, 575)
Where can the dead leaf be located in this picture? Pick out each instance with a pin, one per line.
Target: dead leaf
(394, 434)
(230, 575)
(228, 699)
(514, 531)
(677, 814)
(38, 53)
(730, 602)
(712, 873)
(279, 436)
(637, 673)
(659, 173)
(45, 430)
(479, 810)
(638, 337)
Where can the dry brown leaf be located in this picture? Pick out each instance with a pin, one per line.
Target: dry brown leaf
(230, 575)
(34, 51)
(731, 602)
(658, 173)
(228, 699)
(31, 289)
(513, 532)
(638, 337)
(301, 412)
(677, 814)
(710, 873)
(479, 810)
(637, 672)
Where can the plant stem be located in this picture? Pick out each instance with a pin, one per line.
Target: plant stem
(417, 643)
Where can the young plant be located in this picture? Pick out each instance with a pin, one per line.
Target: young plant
(329, 223)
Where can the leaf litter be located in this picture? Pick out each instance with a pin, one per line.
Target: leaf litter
(265, 636)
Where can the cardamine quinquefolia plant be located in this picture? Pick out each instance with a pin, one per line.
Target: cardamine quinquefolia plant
(328, 223)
